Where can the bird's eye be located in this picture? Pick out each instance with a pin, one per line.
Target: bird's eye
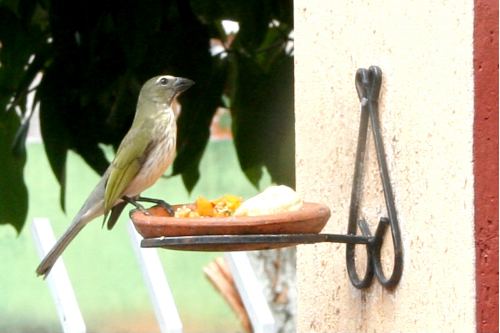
(163, 81)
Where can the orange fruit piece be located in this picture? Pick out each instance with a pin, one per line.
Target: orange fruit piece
(204, 207)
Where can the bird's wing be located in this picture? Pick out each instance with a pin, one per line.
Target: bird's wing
(128, 161)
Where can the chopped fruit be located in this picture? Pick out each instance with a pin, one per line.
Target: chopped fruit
(221, 207)
(204, 207)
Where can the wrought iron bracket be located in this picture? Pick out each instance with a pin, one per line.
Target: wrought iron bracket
(368, 83)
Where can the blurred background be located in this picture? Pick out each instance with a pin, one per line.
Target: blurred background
(70, 73)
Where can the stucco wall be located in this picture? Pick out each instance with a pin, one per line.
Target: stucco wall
(425, 51)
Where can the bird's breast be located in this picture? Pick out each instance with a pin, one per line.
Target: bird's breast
(160, 156)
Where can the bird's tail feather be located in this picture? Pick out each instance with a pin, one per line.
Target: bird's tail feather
(50, 258)
(92, 208)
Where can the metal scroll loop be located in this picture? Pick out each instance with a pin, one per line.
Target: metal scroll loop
(368, 83)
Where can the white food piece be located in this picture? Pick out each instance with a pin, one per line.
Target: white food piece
(274, 199)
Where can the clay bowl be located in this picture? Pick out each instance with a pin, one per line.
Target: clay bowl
(311, 218)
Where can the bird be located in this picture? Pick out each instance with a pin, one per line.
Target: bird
(143, 156)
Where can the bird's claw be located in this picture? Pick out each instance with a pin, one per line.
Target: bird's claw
(167, 207)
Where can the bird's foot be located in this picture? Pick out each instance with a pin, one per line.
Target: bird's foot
(136, 204)
(159, 202)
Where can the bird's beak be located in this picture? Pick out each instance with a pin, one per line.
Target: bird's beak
(182, 84)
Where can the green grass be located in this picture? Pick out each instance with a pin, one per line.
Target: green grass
(101, 263)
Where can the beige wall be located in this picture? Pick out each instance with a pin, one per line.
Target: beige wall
(425, 51)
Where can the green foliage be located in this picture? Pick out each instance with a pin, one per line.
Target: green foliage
(95, 55)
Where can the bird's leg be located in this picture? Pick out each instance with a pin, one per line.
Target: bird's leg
(133, 201)
(159, 202)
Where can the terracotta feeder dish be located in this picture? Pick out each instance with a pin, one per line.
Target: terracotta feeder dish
(221, 233)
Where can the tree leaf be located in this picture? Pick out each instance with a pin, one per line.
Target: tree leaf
(198, 109)
(200, 102)
(53, 128)
(280, 124)
(248, 114)
(14, 193)
(263, 121)
(17, 42)
(14, 54)
(283, 12)
(22, 90)
(254, 19)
